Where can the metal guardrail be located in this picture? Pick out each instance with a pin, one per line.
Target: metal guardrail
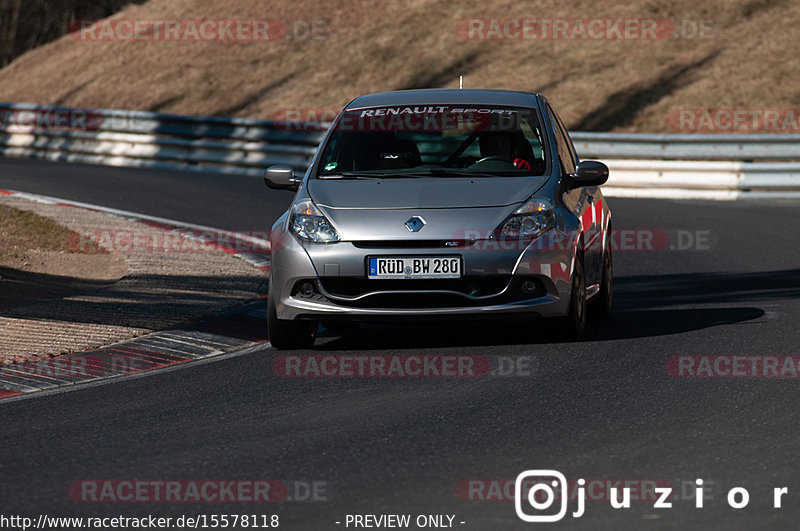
(688, 147)
(145, 139)
(638, 162)
(711, 179)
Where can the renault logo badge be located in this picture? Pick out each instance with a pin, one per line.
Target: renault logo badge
(415, 224)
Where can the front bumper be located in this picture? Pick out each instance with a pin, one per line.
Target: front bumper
(493, 282)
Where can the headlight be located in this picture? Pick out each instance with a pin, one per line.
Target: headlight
(528, 221)
(309, 224)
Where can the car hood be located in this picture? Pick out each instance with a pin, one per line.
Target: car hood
(452, 208)
(422, 192)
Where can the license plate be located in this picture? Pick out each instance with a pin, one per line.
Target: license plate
(414, 267)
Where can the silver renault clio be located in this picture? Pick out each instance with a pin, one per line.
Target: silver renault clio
(440, 203)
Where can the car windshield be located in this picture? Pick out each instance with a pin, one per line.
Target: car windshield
(434, 141)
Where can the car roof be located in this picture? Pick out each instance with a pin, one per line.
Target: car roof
(445, 97)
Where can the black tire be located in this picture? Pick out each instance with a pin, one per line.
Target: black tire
(289, 335)
(602, 306)
(572, 327)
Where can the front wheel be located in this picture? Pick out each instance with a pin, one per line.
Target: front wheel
(603, 305)
(289, 335)
(572, 326)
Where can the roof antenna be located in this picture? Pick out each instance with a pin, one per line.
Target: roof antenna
(460, 82)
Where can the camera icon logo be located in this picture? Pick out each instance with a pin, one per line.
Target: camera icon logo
(547, 482)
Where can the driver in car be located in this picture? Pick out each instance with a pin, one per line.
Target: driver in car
(497, 144)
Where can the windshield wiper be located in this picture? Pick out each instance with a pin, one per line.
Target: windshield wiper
(437, 172)
(360, 175)
(453, 172)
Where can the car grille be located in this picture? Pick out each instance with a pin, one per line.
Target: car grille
(466, 291)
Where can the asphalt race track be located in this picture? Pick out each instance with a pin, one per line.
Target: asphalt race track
(604, 408)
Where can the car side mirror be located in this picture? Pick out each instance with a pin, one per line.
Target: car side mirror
(589, 173)
(281, 177)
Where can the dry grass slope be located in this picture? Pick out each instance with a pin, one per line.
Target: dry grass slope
(752, 60)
